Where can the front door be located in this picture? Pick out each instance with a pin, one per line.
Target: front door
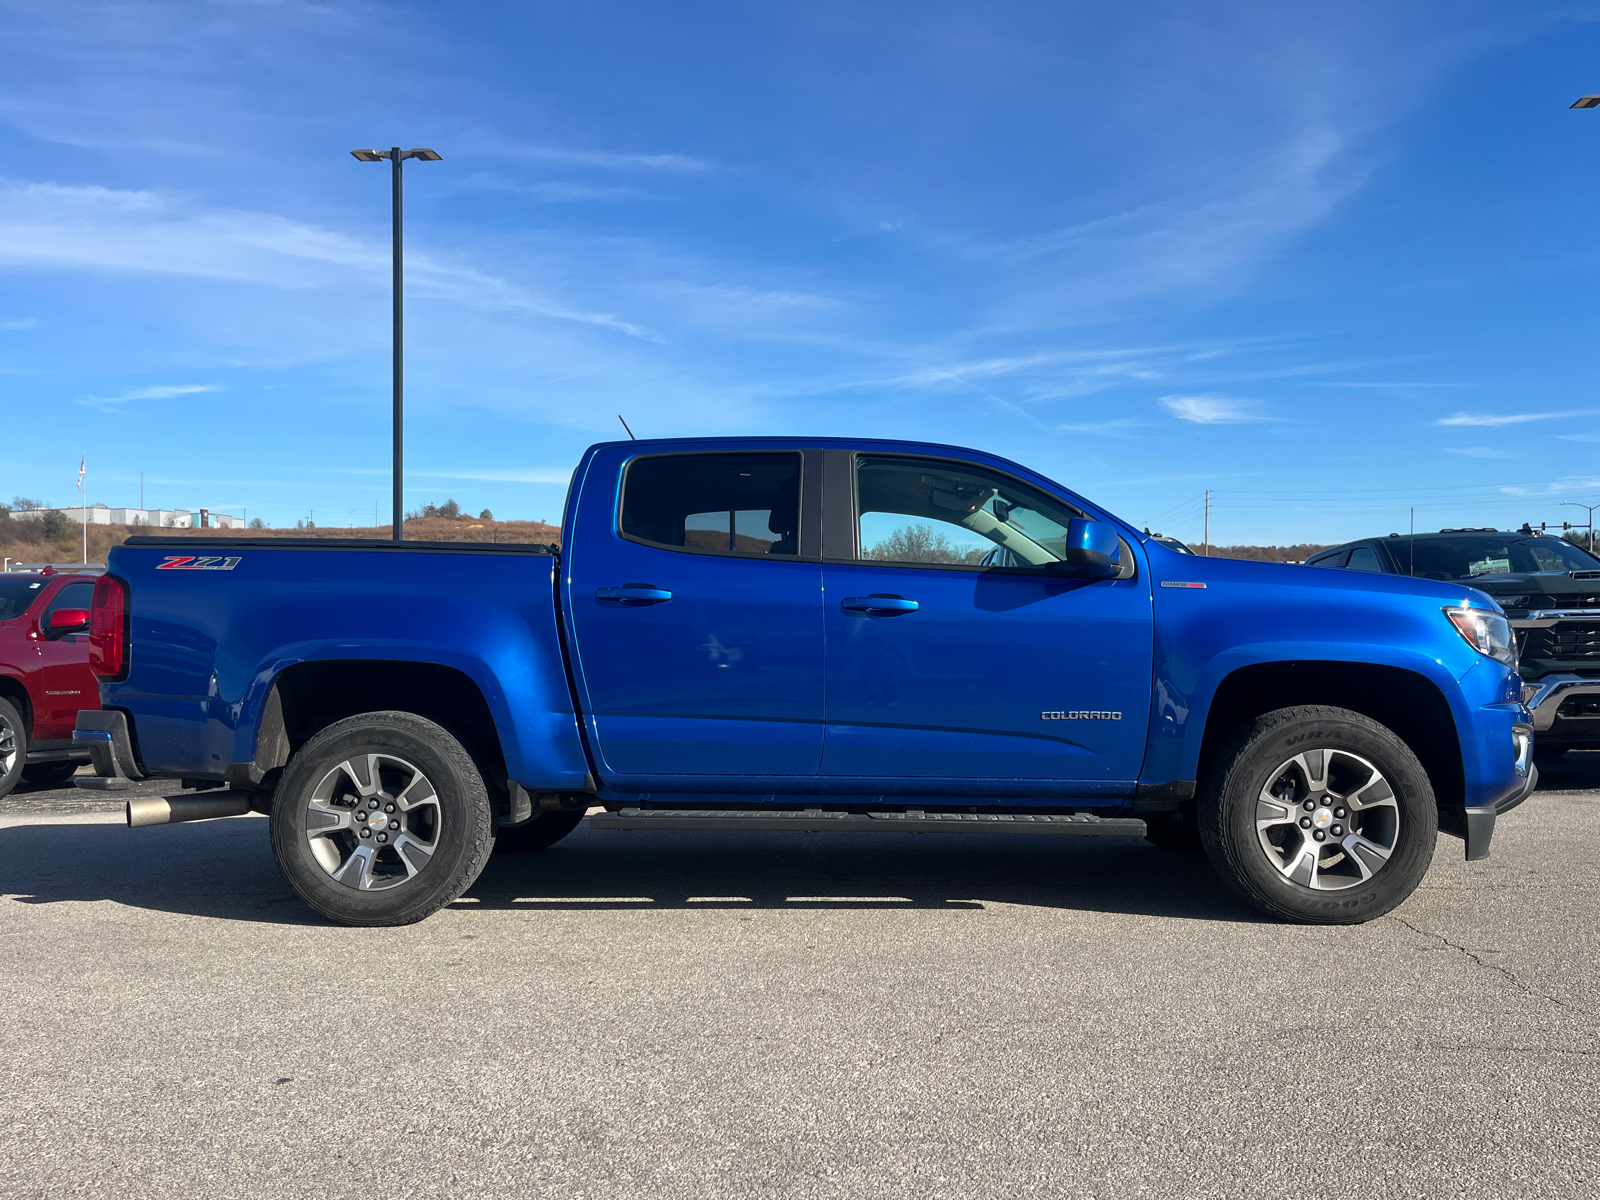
(66, 684)
(957, 651)
(697, 618)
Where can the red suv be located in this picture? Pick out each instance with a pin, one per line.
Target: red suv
(44, 675)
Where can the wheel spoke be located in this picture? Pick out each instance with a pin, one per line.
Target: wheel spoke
(322, 819)
(1375, 793)
(357, 869)
(413, 854)
(416, 793)
(1302, 867)
(1367, 855)
(1314, 766)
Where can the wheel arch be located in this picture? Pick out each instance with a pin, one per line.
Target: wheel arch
(1404, 701)
(13, 689)
(307, 697)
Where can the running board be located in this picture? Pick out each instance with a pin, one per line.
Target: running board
(818, 820)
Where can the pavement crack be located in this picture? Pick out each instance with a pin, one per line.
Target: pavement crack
(1457, 946)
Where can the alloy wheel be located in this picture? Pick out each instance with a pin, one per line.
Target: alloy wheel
(1327, 819)
(373, 822)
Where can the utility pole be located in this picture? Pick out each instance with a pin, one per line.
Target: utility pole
(1208, 523)
(395, 157)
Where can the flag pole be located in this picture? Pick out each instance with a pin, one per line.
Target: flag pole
(83, 501)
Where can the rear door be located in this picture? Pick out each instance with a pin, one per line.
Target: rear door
(694, 590)
(956, 652)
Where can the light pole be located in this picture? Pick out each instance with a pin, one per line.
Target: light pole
(1589, 508)
(396, 156)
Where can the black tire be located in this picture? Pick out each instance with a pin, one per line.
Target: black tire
(13, 747)
(1177, 832)
(1341, 879)
(50, 774)
(399, 883)
(542, 832)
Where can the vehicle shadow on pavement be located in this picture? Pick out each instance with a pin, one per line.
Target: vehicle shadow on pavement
(224, 869)
(651, 870)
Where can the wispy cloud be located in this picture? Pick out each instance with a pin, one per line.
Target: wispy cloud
(1575, 484)
(1214, 410)
(20, 323)
(681, 163)
(107, 403)
(1493, 420)
(105, 229)
(554, 191)
(1120, 426)
(1478, 452)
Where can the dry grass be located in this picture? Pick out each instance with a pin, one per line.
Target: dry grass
(22, 540)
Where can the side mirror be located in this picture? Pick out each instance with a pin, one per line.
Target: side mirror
(67, 620)
(1094, 551)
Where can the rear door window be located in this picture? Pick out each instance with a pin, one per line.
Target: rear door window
(1330, 560)
(17, 593)
(1362, 558)
(714, 503)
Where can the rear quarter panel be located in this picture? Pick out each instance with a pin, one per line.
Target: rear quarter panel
(206, 646)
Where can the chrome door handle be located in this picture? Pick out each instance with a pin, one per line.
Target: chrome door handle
(879, 604)
(633, 595)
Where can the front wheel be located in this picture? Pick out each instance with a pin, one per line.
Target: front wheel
(1319, 815)
(381, 819)
(13, 746)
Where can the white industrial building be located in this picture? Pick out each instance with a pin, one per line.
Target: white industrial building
(163, 518)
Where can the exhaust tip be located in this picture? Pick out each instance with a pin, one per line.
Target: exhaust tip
(151, 810)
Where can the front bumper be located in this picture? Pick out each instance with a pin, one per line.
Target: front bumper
(1544, 698)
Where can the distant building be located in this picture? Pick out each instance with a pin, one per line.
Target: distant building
(160, 518)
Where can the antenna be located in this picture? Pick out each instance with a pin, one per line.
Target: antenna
(625, 426)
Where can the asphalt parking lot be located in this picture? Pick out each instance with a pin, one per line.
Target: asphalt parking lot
(671, 1014)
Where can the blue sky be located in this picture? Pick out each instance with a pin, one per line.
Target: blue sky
(1327, 260)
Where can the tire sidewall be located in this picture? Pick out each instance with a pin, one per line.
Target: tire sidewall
(464, 816)
(19, 730)
(1229, 817)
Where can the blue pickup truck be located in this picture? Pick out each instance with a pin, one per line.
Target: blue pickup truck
(805, 634)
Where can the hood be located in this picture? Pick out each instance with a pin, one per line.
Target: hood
(1523, 592)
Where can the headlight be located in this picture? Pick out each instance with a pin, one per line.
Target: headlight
(1487, 632)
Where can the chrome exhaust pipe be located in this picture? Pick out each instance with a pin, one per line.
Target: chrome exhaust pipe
(169, 810)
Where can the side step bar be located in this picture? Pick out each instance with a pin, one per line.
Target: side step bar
(818, 820)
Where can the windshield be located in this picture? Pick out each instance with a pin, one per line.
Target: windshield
(1468, 557)
(16, 593)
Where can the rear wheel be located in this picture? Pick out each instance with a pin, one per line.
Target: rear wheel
(381, 819)
(50, 774)
(544, 831)
(13, 746)
(1319, 815)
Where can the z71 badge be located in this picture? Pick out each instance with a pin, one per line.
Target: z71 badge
(191, 562)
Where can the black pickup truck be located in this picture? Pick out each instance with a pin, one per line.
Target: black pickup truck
(1550, 591)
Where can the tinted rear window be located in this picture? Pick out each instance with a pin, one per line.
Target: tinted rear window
(715, 503)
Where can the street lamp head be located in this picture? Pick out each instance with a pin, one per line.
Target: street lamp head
(425, 155)
(369, 155)
(1586, 102)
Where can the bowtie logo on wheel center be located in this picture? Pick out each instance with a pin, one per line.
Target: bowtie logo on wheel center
(377, 819)
(1322, 818)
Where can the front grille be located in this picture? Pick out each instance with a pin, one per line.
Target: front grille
(1563, 602)
(1579, 706)
(1563, 640)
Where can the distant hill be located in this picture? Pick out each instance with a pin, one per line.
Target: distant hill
(1296, 553)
